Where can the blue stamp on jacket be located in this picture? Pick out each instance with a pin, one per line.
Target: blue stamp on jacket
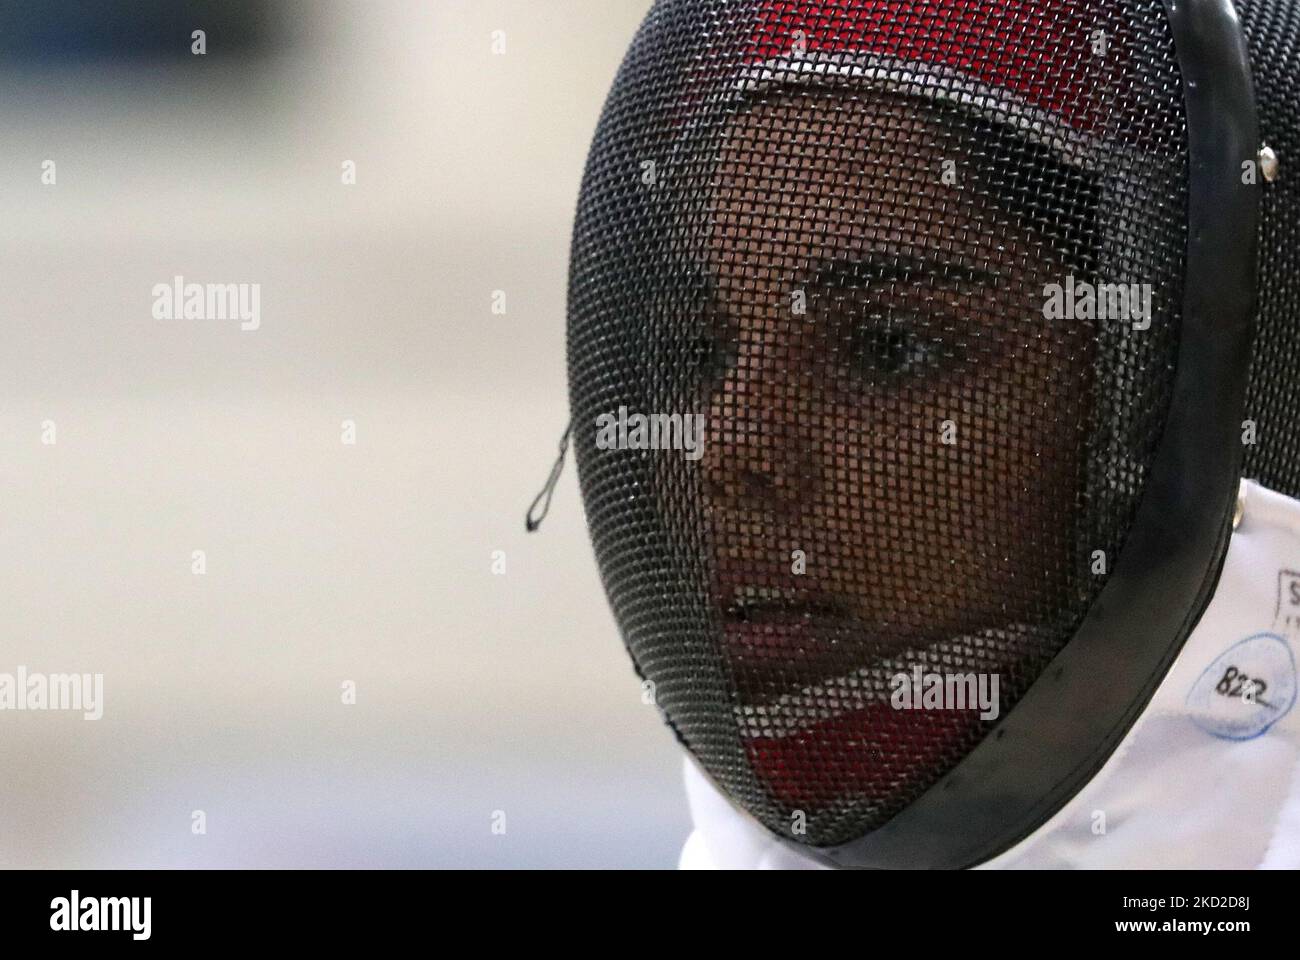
(1248, 688)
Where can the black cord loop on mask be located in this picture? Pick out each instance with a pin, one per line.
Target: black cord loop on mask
(531, 522)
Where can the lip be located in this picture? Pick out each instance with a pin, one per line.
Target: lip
(779, 632)
(777, 638)
(794, 637)
(776, 605)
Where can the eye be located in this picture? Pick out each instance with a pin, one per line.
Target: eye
(889, 347)
(711, 355)
(710, 346)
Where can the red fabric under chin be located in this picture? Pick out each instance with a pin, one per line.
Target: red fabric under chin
(872, 755)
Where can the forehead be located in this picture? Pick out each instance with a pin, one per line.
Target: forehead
(834, 113)
(821, 173)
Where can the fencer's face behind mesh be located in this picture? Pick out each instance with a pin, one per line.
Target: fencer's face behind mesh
(851, 356)
(832, 430)
(841, 263)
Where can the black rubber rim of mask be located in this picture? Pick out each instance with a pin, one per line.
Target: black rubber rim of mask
(1067, 725)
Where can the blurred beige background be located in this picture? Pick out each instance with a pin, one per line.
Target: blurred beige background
(326, 562)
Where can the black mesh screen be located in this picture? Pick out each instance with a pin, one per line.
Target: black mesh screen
(856, 240)
(1273, 401)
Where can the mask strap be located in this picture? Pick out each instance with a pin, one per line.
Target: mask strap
(544, 498)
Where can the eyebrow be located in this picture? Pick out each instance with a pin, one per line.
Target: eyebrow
(896, 268)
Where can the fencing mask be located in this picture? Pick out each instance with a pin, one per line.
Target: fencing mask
(916, 351)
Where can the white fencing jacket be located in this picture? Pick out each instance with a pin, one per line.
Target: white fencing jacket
(1206, 778)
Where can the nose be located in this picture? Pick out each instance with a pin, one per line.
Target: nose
(760, 452)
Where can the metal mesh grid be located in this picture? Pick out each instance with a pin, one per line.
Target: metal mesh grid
(830, 230)
(1273, 399)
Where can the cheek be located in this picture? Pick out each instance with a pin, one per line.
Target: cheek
(1062, 387)
(1036, 444)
